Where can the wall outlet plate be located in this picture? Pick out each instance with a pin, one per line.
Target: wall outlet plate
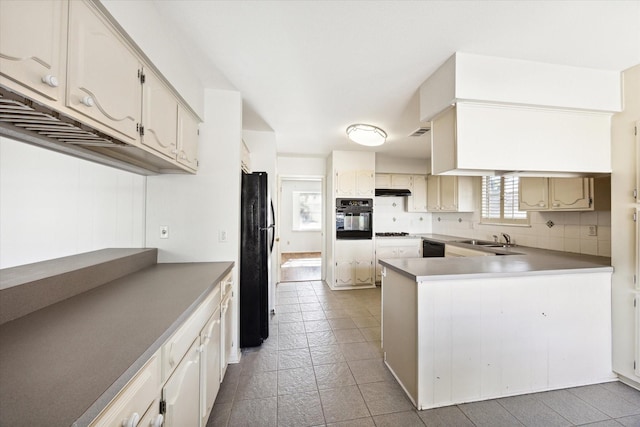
(593, 230)
(164, 231)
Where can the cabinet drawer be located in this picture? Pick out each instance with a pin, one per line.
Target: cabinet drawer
(134, 399)
(175, 348)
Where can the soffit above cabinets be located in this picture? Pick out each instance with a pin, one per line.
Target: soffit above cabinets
(496, 116)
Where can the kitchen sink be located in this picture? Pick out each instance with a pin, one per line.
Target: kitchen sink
(485, 243)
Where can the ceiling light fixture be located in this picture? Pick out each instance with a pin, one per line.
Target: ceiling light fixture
(368, 135)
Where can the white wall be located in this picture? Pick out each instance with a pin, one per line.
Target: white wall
(292, 240)
(198, 207)
(301, 166)
(54, 205)
(390, 164)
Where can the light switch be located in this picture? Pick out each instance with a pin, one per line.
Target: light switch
(164, 231)
(222, 235)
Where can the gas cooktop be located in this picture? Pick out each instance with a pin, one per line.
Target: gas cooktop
(392, 233)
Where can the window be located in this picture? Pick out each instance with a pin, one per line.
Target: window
(500, 201)
(307, 210)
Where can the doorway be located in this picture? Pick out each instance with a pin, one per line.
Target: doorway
(300, 220)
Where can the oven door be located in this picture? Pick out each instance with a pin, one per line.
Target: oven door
(353, 225)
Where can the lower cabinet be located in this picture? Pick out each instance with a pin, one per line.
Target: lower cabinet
(396, 248)
(179, 384)
(209, 366)
(354, 263)
(181, 392)
(135, 399)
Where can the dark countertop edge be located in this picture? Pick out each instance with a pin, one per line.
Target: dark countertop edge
(103, 401)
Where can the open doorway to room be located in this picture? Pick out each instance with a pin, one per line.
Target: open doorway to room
(300, 225)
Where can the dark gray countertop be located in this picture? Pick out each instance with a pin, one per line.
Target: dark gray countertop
(65, 362)
(514, 261)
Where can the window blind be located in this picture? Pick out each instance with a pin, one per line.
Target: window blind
(500, 201)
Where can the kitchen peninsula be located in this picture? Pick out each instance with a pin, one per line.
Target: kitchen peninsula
(465, 329)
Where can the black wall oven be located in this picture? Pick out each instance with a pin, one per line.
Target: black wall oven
(354, 218)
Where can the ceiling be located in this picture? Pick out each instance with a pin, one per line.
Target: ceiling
(308, 69)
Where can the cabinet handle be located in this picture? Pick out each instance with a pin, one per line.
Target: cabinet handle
(541, 205)
(50, 80)
(555, 205)
(157, 421)
(132, 421)
(88, 101)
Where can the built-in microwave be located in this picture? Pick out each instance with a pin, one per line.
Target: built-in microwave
(354, 218)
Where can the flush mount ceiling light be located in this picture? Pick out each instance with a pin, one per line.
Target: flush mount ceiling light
(368, 135)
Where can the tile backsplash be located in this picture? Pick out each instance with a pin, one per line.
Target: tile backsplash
(390, 215)
(569, 231)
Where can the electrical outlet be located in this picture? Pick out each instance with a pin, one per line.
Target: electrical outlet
(222, 235)
(593, 230)
(164, 231)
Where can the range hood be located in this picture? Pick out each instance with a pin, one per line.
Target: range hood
(392, 192)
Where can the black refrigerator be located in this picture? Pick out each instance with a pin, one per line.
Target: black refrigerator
(256, 243)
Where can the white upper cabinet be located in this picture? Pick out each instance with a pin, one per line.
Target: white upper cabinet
(570, 194)
(534, 194)
(417, 202)
(103, 74)
(355, 183)
(187, 139)
(33, 45)
(160, 116)
(450, 193)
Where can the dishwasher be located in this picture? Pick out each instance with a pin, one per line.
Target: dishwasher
(431, 249)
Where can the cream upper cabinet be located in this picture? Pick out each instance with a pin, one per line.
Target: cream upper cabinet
(533, 194)
(355, 183)
(103, 73)
(383, 180)
(187, 139)
(570, 193)
(447, 193)
(160, 116)
(33, 45)
(417, 202)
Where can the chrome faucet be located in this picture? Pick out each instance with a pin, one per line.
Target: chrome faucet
(495, 238)
(507, 238)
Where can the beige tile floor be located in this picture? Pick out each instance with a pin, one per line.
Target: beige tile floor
(322, 366)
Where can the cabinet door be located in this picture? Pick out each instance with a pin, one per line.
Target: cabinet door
(533, 194)
(224, 310)
(160, 116)
(181, 393)
(570, 193)
(383, 180)
(365, 183)
(417, 202)
(209, 366)
(135, 399)
(32, 39)
(344, 272)
(363, 265)
(229, 344)
(449, 193)
(103, 74)
(401, 181)
(345, 183)
(433, 188)
(187, 139)
(413, 250)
